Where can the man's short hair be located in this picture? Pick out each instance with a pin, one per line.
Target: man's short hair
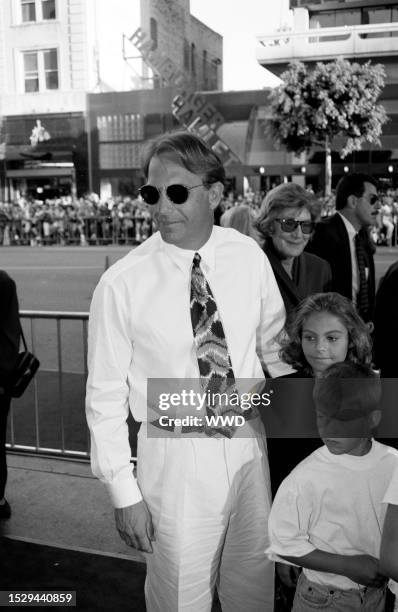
(352, 184)
(347, 391)
(188, 150)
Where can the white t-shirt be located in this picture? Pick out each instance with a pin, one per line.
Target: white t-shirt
(391, 497)
(332, 503)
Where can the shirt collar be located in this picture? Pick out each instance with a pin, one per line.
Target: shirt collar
(183, 257)
(348, 225)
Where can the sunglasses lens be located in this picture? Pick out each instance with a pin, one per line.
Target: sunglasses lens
(373, 199)
(149, 194)
(307, 227)
(177, 193)
(288, 225)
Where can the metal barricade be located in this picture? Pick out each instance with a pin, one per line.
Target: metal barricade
(49, 419)
(41, 415)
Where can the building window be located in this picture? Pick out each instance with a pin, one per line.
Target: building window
(48, 9)
(186, 54)
(119, 155)
(51, 68)
(120, 127)
(193, 58)
(37, 10)
(379, 15)
(40, 70)
(204, 68)
(31, 70)
(153, 28)
(28, 8)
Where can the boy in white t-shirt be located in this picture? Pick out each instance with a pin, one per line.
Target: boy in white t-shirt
(389, 540)
(327, 516)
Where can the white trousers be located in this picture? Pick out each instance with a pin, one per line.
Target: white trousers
(209, 499)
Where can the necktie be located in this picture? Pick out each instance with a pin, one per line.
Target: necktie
(363, 291)
(211, 347)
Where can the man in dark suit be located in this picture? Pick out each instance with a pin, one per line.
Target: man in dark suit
(9, 347)
(344, 241)
(386, 324)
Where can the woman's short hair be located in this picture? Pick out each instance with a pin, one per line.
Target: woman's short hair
(188, 150)
(359, 344)
(286, 195)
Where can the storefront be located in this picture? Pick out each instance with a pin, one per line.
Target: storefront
(55, 162)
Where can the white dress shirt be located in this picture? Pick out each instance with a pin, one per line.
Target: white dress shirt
(332, 503)
(140, 327)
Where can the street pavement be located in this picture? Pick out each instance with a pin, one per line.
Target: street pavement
(64, 278)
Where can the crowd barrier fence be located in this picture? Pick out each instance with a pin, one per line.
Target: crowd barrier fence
(130, 229)
(31, 425)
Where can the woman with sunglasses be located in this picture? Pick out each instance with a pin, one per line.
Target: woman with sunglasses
(286, 222)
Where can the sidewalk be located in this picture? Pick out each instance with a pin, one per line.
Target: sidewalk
(62, 518)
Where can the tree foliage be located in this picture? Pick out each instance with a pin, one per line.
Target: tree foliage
(339, 98)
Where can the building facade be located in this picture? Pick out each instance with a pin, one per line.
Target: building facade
(53, 53)
(117, 138)
(44, 71)
(358, 30)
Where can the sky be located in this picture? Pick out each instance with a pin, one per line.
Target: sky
(239, 22)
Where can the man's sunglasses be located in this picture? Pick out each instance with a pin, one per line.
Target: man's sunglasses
(289, 225)
(373, 199)
(177, 194)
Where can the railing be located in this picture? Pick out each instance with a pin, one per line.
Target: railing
(45, 420)
(129, 230)
(361, 40)
(49, 419)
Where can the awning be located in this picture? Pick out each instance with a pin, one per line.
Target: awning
(39, 172)
(26, 152)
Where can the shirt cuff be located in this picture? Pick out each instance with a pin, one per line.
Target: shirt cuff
(274, 552)
(124, 492)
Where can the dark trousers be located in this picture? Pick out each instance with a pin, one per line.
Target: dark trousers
(5, 402)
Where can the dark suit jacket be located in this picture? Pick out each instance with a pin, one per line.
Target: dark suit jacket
(9, 327)
(330, 241)
(386, 324)
(310, 275)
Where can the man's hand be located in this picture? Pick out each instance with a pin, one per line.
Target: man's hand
(288, 574)
(134, 524)
(364, 569)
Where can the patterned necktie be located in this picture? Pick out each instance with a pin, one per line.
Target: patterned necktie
(211, 347)
(363, 291)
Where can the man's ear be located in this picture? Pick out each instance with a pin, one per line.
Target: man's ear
(374, 418)
(351, 202)
(216, 191)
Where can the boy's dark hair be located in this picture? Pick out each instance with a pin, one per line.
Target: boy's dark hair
(347, 391)
(351, 184)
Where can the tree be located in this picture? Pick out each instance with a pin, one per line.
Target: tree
(313, 106)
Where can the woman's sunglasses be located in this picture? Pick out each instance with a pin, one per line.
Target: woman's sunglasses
(289, 225)
(176, 194)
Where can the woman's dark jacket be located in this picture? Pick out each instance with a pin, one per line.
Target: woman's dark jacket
(310, 274)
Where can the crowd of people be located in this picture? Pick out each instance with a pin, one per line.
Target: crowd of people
(233, 476)
(63, 221)
(127, 220)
